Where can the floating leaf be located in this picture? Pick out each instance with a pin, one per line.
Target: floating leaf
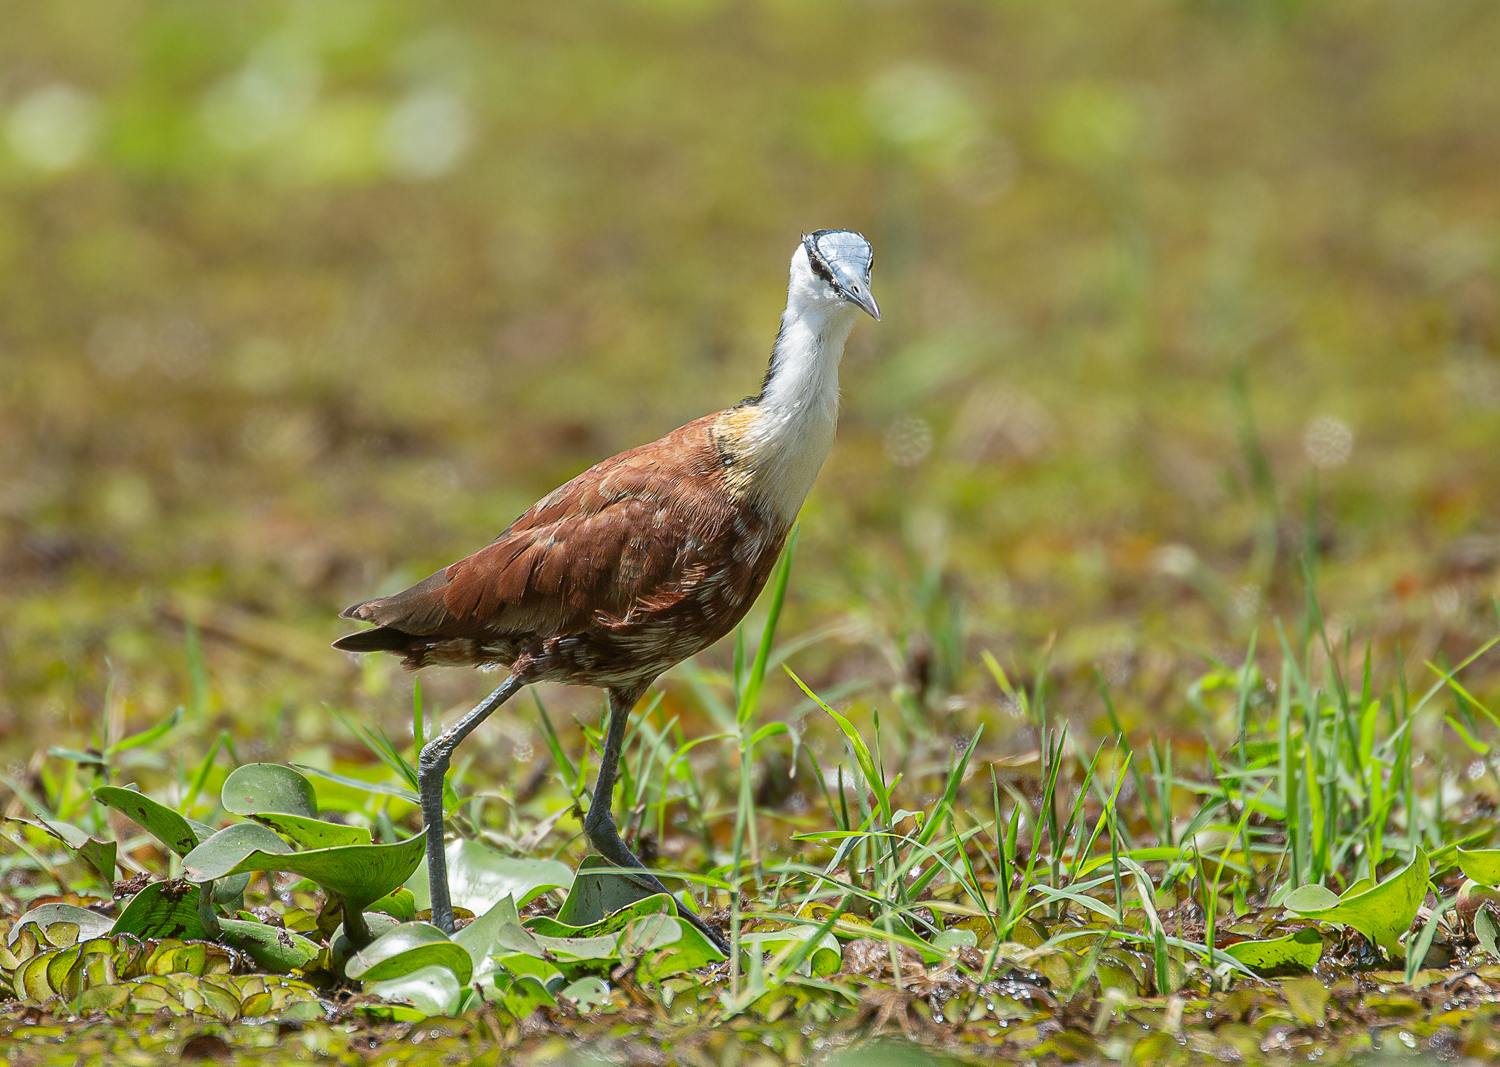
(597, 893)
(433, 990)
(1487, 930)
(398, 903)
(953, 939)
(587, 993)
(1481, 865)
(90, 923)
(1301, 949)
(1307, 898)
(98, 855)
(271, 947)
(359, 874)
(266, 788)
(524, 985)
(648, 927)
(163, 909)
(1308, 999)
(166, 825)
(222, 853)
(498, 932)
(576, 949)
(479, 877)
(1382, 913)
(616, 920)
(315, 833)
(825, 958)
(407, 948)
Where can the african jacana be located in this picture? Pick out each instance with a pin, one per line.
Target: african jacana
(641, 561)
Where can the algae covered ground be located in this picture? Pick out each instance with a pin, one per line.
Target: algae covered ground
(1131, 697)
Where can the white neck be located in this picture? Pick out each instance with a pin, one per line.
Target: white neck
(798, 410)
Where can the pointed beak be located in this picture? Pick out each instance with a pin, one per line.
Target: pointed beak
(864, 300)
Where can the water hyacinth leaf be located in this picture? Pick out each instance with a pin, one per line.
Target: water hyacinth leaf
(1301, 949)
(31, 980)
(161, 822)
(953, 939)
(1308, 999)
(342, 944)
(359, 874)
(496, 934)
(1481, 865)
(271, 947)
(398, 904)
(577, 949)
(230, 891)
(825, 958)
(314, 833)
(267, 788)
(615, 920)
(162, 910)
(407, 948)
(1486, 930)
(222, 853)
(521, 992)
(90, 923)
(665, 945)
(433, 990)
(596, 893)
(479, 877)
(586, 993)
(1383, 912)
(1308, 898)
(97, 855)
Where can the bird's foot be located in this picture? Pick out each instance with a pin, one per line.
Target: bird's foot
(606, 840)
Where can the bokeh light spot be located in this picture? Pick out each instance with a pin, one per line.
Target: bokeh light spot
(54, 127)
(428, 134)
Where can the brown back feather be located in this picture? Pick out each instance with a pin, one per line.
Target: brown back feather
(632, 532)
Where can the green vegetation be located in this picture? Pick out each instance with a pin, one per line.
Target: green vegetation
(1133, 696)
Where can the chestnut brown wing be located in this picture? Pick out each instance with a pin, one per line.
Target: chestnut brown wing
(632, 533)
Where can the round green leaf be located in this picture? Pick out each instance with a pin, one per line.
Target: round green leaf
(160, 821)
(163, 910)
(587, 993)
(433, 990)
(90, 923)
(314, 833)
(359, 874)
(1301, 949)
(825, 958)
(398, 903)
(407, 948)
(496, 933)
(226, 851)
(1482, 865)
(263, 788)
(1382, 913)
(271, 947)
(595, 894)
(479, 877)
(1307, 898)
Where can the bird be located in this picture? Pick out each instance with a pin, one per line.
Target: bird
(641, 561)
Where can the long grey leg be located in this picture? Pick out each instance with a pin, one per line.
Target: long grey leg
(599, 823)
(431, 766)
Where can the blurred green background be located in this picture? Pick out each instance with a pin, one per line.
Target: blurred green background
(299, 302)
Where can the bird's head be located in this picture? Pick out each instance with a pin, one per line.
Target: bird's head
(834, 265)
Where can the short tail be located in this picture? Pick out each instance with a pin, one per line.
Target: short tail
(380, 639)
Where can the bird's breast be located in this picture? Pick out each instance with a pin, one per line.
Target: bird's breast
(773, 455)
